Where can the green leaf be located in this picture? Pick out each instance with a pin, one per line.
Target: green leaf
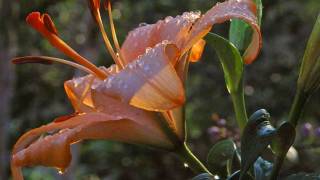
(262, 169)
(257, 135)
(240, 32)
(219, 155)
(303, 176)
(230, 60)
(283, 139)
(203, 176)
(234, 164)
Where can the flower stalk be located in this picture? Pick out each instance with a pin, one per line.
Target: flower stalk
(308, 83)
(299, 102)
(190, 160)
(239, 106)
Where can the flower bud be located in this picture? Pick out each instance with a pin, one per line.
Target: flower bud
(309, 78)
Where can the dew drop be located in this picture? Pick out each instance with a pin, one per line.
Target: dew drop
(60, 171)
(109, 82)
(148, 49)
(130, 66)
(165, 42)
(167, 19)
(140, 63)
(142, 24)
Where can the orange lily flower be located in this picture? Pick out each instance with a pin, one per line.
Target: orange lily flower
(138, 100)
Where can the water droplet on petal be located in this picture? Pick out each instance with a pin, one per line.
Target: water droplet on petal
(148, 49)
(142, 24)
(60, 171)
(167, 19)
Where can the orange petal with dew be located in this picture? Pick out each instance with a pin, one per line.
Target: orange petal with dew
(137, 41)
(109, 105)
(240, 9)
(54, 150)
(79, 90)
(197, 50)
(177, 29)
(150, 82)
(171, 29)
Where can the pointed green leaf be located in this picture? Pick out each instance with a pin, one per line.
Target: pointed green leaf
(283, 139)
(230, 60)
(240, 33)
(234, 164)
(257, 135)
(219, 155)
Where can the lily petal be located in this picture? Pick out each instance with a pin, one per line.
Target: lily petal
(54, 150)
(137, 41)
(79, 94)
(150, 82)
(109, 105)
(197, 50)
(241, 9)
(79, 90)
(171, 29)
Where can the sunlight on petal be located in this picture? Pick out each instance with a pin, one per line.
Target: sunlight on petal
(144, 82)
(241, 9)
(197, 50)
(146, 36)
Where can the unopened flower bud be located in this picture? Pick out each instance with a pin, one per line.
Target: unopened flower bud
(309, 78)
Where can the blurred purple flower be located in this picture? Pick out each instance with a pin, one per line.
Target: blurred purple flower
(317, 131)
(306, 129)
(214, 133)
(221, 122)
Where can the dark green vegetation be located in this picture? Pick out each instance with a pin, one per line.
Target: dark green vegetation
(38, 96)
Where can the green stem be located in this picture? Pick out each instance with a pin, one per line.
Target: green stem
(277, 166)
(297, 107)
(300, 100)
(191, 160)
(239, 107)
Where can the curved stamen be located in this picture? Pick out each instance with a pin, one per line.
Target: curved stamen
(45, 26)
(113, 30)
(49, 60)
(95, 11)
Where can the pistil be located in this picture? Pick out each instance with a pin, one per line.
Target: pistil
(49, 60)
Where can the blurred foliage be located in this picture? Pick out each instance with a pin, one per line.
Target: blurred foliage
(269, 83)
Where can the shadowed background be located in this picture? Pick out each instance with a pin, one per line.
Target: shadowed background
(32, 95)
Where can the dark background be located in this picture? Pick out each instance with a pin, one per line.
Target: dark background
(32, 95)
